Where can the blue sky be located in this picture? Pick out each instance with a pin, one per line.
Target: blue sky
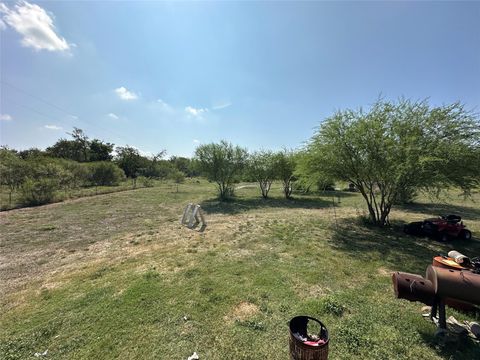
(161, 75)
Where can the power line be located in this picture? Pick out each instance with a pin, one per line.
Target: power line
(58, 108)
(32, 109)
(36, 97)
(50, 117)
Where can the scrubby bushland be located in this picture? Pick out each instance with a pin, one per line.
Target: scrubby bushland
(38, 177)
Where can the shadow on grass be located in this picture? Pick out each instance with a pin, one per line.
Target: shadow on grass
(337, 193)
(239, 204)
(466, 212)
(460, 349)
(400, 252)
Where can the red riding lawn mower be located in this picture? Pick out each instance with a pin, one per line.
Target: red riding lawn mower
(443, 228)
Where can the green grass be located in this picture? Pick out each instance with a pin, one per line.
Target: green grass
(113, 276)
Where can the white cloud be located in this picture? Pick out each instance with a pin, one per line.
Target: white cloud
(35, 25)
(195, 141)
(3, 26)
(124, 94)
(5, 117)
(52, 127)
(195, 112)
(165, 106)
(113, 116)
(222, 105)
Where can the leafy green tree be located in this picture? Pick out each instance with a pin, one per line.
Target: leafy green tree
(99, 150)
(284, 168)
(156, 167)
(399, 147)
(130, 161)
(185, 165)
(13, 171)
(65, 149)
(81, 149)
(221, 163)
(80, 140)
(308, 172)
(261, 167)
(162, 169)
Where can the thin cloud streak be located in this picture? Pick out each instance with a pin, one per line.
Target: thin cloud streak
(53, 127)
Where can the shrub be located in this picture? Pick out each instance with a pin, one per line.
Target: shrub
(38, 192)
(177, 176)
(332, 305)
(105, 173)
(80, 173)
(146, 182)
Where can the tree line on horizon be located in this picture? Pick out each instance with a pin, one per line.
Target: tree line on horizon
(82, 162)
(387, 153)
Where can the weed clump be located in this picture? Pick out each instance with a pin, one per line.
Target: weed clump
(332, 305)
(252, 325)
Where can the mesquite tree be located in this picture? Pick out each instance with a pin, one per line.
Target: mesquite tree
(399, 147)
(261, 167)
(285, 167)
(221, 163)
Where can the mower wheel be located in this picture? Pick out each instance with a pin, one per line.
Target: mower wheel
(430, 228)
(413, 228)
(443, 236)
(466, 235)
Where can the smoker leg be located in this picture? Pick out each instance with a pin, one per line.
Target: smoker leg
(442, 321)
(433, 312)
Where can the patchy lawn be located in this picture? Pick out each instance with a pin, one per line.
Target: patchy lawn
(116, 276)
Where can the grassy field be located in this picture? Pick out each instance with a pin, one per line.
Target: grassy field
(116, 276)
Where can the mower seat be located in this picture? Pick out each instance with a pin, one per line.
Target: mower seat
(453, 219)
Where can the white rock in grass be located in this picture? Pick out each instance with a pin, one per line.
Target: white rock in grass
(194, 356)
(37, 354)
